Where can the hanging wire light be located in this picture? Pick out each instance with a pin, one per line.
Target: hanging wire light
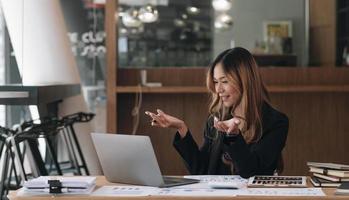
(223, 22)
(193, 10)
(148, 14)
(130, 18)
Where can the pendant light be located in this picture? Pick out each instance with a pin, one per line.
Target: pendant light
(223, 22)
(130, 18)
(148, 14)
(221, 5)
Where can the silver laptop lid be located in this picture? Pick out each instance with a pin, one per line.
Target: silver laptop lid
(127, 159)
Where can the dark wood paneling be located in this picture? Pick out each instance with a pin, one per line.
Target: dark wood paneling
(322, 32)
(318, 128)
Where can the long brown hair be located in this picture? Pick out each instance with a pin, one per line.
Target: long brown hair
(242, 72)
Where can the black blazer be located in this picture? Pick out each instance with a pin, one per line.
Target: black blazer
(260, 158)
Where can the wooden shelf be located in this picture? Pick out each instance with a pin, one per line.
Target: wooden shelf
(308, 88)
(202, 89)
(165, 89)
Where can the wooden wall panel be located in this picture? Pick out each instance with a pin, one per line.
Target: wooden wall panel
(318, 129)
(322, 32)
(191, 108)
(318, 120)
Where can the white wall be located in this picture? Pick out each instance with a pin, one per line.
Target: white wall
(44, 57)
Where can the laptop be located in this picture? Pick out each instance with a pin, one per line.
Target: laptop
(131, 159)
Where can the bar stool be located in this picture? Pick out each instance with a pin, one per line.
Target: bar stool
(72, 140)
(12, 160)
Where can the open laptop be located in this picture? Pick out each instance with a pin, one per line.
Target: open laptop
(131, 159)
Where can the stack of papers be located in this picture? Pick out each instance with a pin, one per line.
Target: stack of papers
(70, 185)
(220, 181)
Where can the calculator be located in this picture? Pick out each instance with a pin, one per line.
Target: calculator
(277, 181)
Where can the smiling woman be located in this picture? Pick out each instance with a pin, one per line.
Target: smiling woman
(246, 147)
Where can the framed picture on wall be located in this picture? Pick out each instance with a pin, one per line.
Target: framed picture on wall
(281, 29)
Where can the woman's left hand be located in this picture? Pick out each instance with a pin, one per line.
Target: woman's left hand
(230, 126)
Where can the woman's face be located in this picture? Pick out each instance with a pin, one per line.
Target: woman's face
(225, 88)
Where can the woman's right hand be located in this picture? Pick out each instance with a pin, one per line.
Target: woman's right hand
(164, 120)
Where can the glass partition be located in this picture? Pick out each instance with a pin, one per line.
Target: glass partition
(181, 34)
(192, 32)
(85, 23)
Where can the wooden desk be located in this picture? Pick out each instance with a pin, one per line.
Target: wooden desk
(101, 181)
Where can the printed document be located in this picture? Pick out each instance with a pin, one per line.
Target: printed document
(125, 190)
(281, 192)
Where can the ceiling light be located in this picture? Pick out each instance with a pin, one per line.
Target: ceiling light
(193, 10)
(123, 31)
(179, 22)
(223, 22)
(121, 12)
(137, 30)
(130, 18)
(222, 5)
(148, 14)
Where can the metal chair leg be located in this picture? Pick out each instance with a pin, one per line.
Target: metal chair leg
(75, 160)
(37, 157)
(4, 172)
(81, 155)
(13, 170)
(53, 155)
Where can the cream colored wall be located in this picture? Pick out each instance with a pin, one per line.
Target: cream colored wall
(44, 57)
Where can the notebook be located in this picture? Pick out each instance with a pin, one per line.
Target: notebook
(131, 159)
(343, 189)
(69, 185)
(329, 165)
(319, 182)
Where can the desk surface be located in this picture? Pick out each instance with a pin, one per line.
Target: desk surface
(101, 181)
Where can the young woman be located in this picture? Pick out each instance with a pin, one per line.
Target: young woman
(244, 134)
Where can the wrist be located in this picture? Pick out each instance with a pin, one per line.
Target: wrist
(182, 129)
(233, 134)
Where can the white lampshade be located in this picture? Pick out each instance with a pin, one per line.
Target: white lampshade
(221, 5)
(148, 14)
(40, 41)
(130, 18)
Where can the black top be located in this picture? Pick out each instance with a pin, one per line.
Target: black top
(258, 158)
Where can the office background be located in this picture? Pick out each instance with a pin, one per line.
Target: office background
(310, 83)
